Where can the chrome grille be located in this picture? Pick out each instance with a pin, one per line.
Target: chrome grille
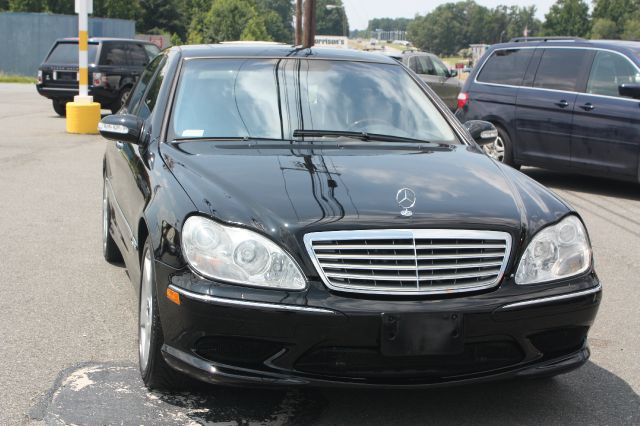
(419, 261)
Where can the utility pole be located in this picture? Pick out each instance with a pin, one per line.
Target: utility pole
(298, 22)
(309, 23)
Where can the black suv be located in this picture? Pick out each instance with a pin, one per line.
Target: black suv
(114, 66)
(560, 103)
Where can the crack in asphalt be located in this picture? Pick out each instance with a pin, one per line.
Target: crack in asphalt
(112, 393)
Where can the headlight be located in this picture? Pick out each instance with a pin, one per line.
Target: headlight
(238, 255)
(556, 252)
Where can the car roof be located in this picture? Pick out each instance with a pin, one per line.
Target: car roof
(569, 42)
(99, 39)
(272, 50)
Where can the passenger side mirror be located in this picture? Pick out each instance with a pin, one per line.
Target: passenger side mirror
(121, 128)
(453, 73)
(483, 132)
(630, 90)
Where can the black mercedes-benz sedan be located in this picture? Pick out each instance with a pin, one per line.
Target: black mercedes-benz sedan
(312, 216)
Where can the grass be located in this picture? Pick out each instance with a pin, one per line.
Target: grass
(12, 78)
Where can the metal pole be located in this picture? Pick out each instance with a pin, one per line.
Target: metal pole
(83, 47)
(309, 23)
(298, 22)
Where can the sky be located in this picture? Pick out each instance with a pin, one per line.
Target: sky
(360, 11)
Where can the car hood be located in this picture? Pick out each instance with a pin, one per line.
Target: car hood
(287, 190)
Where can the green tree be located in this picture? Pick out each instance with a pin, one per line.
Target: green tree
(616, 11)
(166, 15)
(567, 18)
(632, 28)
(227, 19)
(521, 18)
(331, 20)
(278, 18)
(121, 9)
(27, 5)
(255, 30)
(603, 28)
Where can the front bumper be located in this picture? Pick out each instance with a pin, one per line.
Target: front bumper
(336, 340)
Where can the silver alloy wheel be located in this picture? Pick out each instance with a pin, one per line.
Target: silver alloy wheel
(105, 219)
(496, 149)
(146, 311)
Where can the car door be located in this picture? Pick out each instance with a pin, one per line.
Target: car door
(138, 59)
(449, 86)
(544, 109)
(606, 126)
(423, 66)
(124, 166)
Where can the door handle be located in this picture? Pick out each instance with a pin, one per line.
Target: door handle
(119, 145)
(587, 107)
(562, 104)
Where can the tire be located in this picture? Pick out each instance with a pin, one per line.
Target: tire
(60, 106)
(502, 149)
(122, 98)
(155, 372)
(110, 250)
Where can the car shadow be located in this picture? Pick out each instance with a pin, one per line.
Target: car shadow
(587, 184)
(591, 395)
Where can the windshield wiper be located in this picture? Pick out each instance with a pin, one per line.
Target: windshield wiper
(363, 136)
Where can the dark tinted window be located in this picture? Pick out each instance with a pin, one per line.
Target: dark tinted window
(137, 55)
(67, 53)
(149, 102)
(560, 69)
(141, 86)
(506, 66)
(114, 54)
(608, 72)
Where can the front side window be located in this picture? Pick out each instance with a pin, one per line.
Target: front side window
(263, 98)
(506, 66)
(141, 85)
(149, 101)
(560, 69)
(608, 72)
(439, 67)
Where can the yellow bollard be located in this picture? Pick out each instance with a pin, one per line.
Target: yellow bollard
(83, 117)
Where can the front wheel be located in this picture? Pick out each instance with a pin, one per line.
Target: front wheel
(502, 149)
(155, 372)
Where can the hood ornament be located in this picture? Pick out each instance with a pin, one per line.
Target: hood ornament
(406, 199)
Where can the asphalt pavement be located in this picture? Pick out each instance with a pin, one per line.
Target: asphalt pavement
(68, 319)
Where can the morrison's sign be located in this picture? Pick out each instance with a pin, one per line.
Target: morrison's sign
(340, 42)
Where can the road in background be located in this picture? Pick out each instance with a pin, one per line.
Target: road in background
(68, 319)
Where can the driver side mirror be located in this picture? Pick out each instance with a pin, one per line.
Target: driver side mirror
(121, 128)
(453, 73)
(630, 90)
(483, 132)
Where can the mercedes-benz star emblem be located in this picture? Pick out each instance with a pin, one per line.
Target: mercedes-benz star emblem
(406, 198)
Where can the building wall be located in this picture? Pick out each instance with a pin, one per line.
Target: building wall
(25, 38)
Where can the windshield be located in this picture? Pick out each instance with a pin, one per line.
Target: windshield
(270, 98)
(67, 53)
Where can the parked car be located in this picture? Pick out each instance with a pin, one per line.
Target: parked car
(114, 66)
(435, 73)
(567, 104)
(281, 231)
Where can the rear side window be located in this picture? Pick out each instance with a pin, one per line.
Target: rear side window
(560, 69)
(137, 55)
(608, 72)
(506, 66)
(67, 53)
(114, 54)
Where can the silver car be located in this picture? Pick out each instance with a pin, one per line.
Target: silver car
(435, 73)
